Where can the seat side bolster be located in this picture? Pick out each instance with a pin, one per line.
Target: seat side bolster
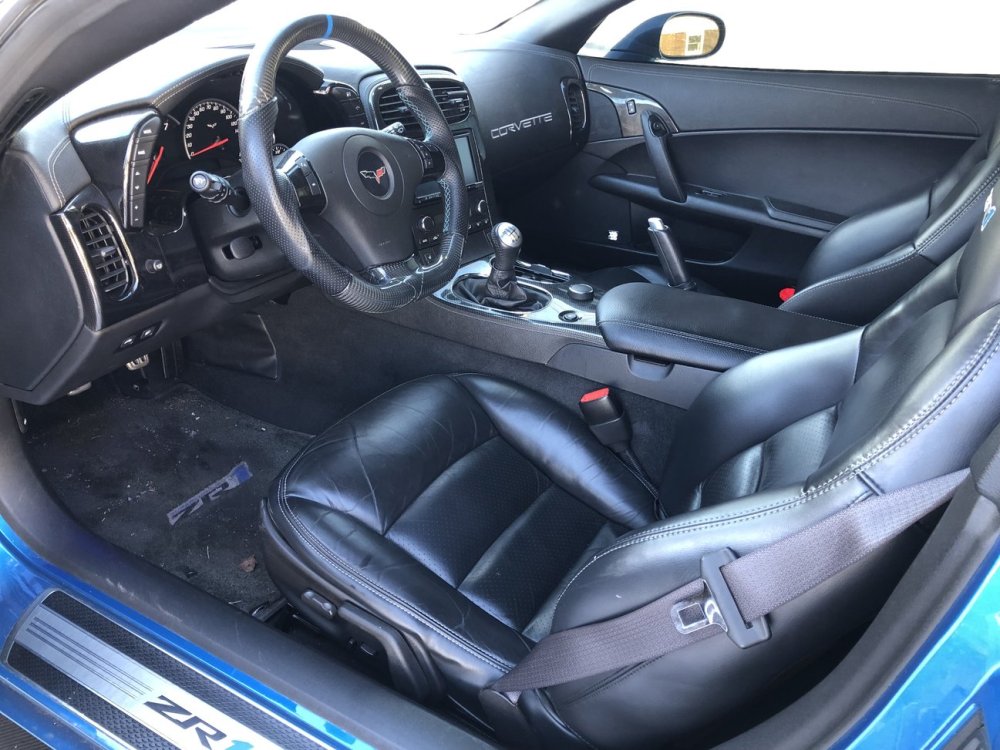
(812, 377)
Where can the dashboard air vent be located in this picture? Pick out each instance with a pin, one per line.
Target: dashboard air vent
(112, 271)
(576, 106)
(452, 97)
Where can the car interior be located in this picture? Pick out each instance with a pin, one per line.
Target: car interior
(405, 362)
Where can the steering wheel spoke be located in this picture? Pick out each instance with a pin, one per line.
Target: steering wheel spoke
(359, 184)
(308, 189)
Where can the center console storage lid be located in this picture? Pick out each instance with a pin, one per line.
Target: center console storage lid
(661, 324)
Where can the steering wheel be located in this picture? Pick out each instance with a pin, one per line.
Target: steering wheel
(339, 203)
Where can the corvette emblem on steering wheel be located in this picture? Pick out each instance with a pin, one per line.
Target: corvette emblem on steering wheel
(375, 174)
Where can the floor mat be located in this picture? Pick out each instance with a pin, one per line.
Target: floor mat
(122, 464)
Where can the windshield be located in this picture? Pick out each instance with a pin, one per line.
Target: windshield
(401, 21)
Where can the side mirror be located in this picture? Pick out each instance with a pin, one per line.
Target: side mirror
(674, 36)
(688, 36)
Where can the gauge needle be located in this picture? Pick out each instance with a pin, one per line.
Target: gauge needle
(156, 163)
(219, 142)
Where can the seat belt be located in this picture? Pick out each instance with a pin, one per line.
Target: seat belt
(734, 595)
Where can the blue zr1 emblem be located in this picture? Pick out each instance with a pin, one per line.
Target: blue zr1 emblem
(989, 211)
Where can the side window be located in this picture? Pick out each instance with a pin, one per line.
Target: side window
(776, 35)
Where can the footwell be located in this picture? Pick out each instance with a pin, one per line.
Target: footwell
(123, 465)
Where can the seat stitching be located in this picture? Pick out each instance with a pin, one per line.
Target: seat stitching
(306, 451)
(684, 335)
(351, 572)
(852, 275)
(837, 480)
(936, 235)
(322, 550)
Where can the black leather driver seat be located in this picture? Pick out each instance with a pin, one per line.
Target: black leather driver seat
(470, 516)
(870, 260)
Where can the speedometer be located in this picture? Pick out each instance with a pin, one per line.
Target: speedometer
(211, 127)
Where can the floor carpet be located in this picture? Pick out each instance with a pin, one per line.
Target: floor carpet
(121, 464)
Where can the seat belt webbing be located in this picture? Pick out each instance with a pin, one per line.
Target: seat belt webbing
(731, 593)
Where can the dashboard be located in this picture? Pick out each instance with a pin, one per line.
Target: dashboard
(115, 256)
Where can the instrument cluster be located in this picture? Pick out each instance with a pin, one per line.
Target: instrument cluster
(202, 133)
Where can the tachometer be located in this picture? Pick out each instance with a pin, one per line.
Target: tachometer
(211, 127)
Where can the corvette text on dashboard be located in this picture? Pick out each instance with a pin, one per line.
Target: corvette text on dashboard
(517, 127)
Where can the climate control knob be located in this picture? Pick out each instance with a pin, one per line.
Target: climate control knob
(426, 224)
(481, 208)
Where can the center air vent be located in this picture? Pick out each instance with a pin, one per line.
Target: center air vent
(113, 272)
(451, 96)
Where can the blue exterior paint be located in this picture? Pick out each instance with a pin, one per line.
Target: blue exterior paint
(24, 576)
(955, 675)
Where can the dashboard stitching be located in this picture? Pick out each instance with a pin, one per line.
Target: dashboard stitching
(204, 73)
(53, 159)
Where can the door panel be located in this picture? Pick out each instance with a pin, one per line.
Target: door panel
(770, 161)
(726, 99)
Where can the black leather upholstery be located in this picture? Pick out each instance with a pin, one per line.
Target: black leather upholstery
(674, 326)
(474, 516)
(870, 260)
(453, 507)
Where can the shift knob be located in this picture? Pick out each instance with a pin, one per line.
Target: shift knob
(506, 240)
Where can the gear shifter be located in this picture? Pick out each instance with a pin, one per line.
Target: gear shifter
(500, 290)
(502, 287)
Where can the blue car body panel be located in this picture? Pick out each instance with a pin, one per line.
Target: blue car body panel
(954, 676)
(24, 577)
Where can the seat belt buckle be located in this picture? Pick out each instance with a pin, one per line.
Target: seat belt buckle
(605, 417)
(718, 607)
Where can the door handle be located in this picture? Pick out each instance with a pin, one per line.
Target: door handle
(656, 133)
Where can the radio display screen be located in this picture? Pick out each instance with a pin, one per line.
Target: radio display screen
(464, 144)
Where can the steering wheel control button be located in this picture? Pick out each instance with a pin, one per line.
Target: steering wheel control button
(581, 292)
(431, 158)
(427, 224)
(128, 341)
(375, 174)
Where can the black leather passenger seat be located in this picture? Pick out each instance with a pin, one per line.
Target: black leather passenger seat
(472, 516)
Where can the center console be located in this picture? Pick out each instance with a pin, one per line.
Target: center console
(428, 209)
(670, 326)
(531, 293)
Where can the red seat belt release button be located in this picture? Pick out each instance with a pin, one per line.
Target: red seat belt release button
(787, 293)
(606, 419)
